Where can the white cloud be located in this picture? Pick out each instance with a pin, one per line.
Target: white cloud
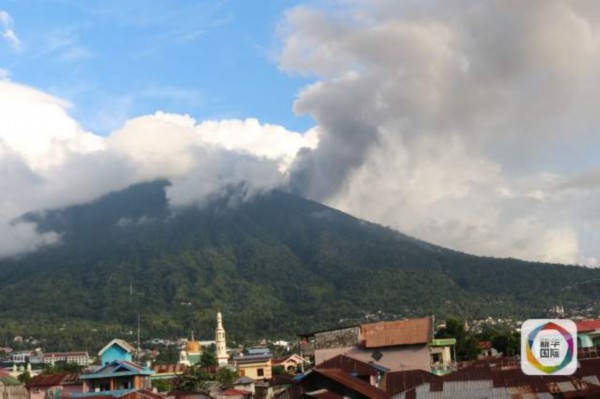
(4, 74)
(8, 32)
(445, 119)
(47, 160)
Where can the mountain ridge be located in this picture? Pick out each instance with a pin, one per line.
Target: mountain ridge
(275, 264)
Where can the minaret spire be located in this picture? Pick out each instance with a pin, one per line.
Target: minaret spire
(222, 357)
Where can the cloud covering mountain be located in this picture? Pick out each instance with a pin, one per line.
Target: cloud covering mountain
(468, 124)
(463, 123)
(49, 161)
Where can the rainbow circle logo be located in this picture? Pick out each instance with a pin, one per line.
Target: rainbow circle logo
(533, 359)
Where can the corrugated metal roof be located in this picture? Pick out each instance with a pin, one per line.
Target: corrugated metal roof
(393, 333)
(122, 343)
(353, 383)
(349, 365)
(497, 378)
(49, 380)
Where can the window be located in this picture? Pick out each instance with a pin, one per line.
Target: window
(260, 372)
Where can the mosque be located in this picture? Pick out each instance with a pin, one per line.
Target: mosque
(193, 349)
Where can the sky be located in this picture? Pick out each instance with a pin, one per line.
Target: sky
(468, 124)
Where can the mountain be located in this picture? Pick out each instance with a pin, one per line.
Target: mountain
(275, 264)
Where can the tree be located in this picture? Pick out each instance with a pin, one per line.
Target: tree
(467, 345)
(226, 377)
(161, 385)
(62, 367)
(194, 378)
(208, 359)
(24, 378)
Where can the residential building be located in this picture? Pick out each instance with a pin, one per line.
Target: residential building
(81, 358)
(335, 383)
(246, 384)
(495, 378)
(116, 378)
(11, 388)
(395, 345)
(486, 349)
(588, 333)
(443, 359)
(168, 371)
(290, 364)
(368, 372)
(117, 349)
(257, 367)
(54, 386)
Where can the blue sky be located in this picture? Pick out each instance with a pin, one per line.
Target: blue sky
(117, 59)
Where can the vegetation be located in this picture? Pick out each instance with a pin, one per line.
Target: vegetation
(275, 264)
(62, 367)
(467, 344)
(197, 378)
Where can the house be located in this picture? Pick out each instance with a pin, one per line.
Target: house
(257, 367)
(258, 351)
(290, 364)
(367, 372)
(168, 371)
(336, 383)
(495, 378)
(11, 388)
(244, 384)
(80, 358)
(117, 349)
(443, 359)
(486, 349)
(233, 394)
(588, 333)
(116, 378)
(46, 386)
(395, 345)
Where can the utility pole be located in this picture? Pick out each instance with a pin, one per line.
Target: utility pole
(138, 338)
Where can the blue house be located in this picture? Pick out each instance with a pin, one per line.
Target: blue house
(117, 349)
(115, 379)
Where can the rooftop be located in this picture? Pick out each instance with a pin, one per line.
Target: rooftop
(394, 333)
(353, 383)
(49, 380)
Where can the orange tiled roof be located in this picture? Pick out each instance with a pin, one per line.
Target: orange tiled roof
(393, 333)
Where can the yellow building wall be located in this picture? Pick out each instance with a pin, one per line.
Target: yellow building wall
(251, 370)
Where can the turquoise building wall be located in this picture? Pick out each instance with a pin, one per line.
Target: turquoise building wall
(115, 352)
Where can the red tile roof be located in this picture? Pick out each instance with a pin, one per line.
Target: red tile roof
(484, 345)
(588, 325)
(353, 383)
(393, 333)
(50, 380)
